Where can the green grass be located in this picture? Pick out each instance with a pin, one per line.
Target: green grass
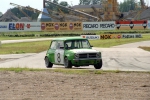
(16, 38)
(17, 70)
(145, 48)
(27, 47)
(114, 42)
(36, 47)
(69, 71)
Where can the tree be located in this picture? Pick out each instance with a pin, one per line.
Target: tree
(89, 2)
(55, 1)
(1, 13)
(51, 6)
(127, 5)
(65, 4)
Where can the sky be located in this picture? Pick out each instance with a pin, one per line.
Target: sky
(38, 4)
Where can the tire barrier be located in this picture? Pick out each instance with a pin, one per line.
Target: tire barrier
(39, 35)
(88, 34)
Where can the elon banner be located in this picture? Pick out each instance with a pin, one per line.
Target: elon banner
(131, 25)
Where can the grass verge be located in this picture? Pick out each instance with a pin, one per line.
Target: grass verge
(36, 47)
(69, 71)
(145, 48)
(26, 47)
(114, 42)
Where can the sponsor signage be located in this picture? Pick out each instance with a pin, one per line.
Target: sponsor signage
(148, 24)
(98, 25)
(131, 25)
(19, 26)
(110, 36)
(61, 26)
(91, 37)
(131, 36)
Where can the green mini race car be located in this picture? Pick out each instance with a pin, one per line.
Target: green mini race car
(72, 51)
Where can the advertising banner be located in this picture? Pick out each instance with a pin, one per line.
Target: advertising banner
(110, 36)
(131, 25)
(131, 36)
(91, 37)
(19, 26)
(61, 26)
(148, 24)
(98, 25)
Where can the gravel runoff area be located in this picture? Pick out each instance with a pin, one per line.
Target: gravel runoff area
(48, 85)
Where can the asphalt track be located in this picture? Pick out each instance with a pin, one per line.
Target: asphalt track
(126, 57)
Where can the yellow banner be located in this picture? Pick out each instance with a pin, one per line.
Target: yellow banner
(61, 26)
(110, 36)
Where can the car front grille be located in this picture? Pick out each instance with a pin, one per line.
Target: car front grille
(89, 55)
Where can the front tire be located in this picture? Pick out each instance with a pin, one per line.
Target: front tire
(67, 63)
(98, 65)
(48, 64)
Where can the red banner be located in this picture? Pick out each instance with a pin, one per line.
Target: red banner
(131, 25)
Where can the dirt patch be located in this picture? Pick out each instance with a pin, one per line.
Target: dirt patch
(47, 85)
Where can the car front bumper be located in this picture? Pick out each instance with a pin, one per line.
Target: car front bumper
(86, 62)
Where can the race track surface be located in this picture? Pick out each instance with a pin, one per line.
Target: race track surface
(124, 58)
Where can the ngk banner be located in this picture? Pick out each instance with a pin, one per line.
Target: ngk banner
(131, 25)
(110, 36)
(61, 26)
(19, 26)
(98, 25)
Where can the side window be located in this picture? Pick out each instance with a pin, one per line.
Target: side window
(77, 44)
(69, 43)
(60, 45)
(53, 45)
(85, 44)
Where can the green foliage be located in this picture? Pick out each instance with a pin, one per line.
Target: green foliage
(89, 2)
(1, 14)
(65, 4)
(145, 48)
(127, 5)
(17, 70)
(27, 47)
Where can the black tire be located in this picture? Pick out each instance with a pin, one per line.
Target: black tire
(98, 65)
(67, 63)
(48, 64)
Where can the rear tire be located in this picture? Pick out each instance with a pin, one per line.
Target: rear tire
(98, 65)
(67, 63)
(48, 64)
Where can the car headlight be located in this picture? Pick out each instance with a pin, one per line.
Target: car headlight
(98, 55)
(76, 55)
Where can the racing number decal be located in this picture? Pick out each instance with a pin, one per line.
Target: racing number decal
(58, 57)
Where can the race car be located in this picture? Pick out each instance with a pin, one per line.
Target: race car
(72, 51)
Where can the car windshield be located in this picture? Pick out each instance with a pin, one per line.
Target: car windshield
(77, 44)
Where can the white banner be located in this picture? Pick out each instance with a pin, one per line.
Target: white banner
(91, 37)
(19, 26)
(131, 36)
(98, 25)
(148, 24)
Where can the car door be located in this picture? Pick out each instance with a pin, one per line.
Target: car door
(59, 53)
(51, 51)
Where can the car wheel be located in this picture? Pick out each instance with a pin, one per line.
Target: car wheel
(98, 65)
(47, 63)
(67, 63)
